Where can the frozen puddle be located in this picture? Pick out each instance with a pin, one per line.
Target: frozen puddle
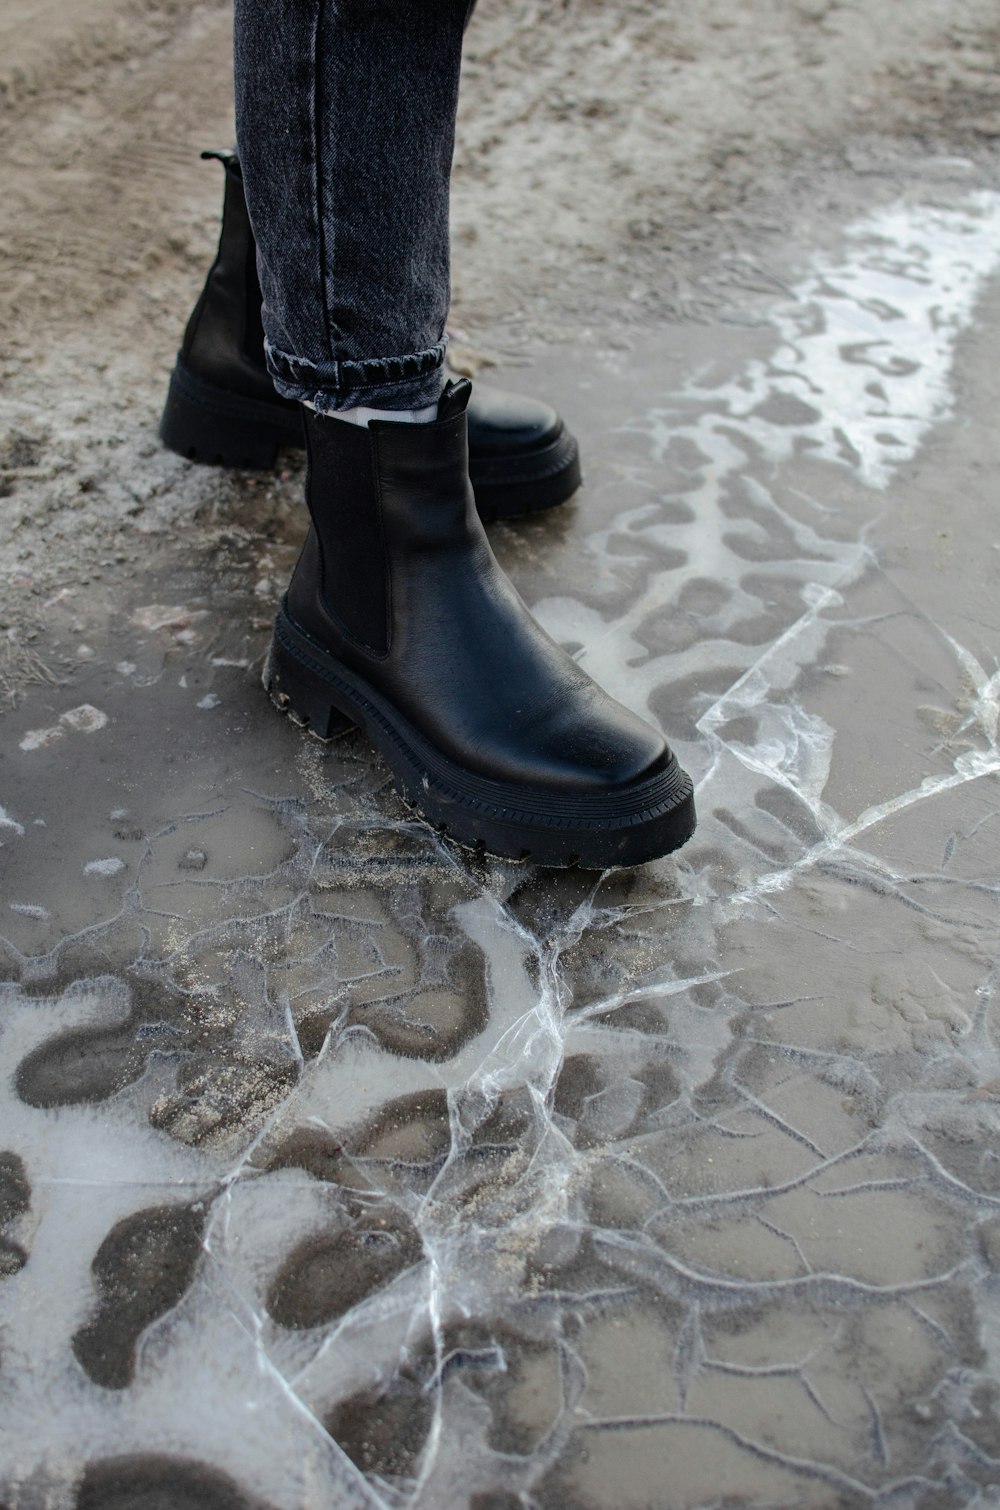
(337, 1171)
(859, 372)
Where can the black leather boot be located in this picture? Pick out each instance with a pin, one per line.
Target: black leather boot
(398, 619)
(221, 406)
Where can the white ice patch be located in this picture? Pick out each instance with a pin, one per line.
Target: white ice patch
(6, 821)
(175, 617)
(40, 739)
(108, 867)
(86, 719)
(868, 342)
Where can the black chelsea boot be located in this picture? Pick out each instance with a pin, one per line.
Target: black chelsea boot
(221, 406)
(398, 619)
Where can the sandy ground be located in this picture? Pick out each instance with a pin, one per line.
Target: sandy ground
(614, 168)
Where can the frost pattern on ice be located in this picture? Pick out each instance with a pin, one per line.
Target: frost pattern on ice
(357, 1173)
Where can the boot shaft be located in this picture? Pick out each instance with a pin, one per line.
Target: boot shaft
(387, 503)
(224, 339)
(399, 619)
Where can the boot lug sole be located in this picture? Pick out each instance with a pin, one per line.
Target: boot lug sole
(528, 483)
(205, 423)
(636, 826)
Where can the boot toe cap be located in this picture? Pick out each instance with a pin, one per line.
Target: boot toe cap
(610, 751)
(502, 423)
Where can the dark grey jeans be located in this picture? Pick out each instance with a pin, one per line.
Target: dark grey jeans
(345, 119)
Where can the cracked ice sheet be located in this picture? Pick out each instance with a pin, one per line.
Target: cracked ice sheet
(341, 1171)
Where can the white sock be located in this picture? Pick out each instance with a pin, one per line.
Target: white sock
(361, 415)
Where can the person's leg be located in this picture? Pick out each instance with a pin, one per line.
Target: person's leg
(346, 118)
(398, 618)
(222, 407)
(345, 115)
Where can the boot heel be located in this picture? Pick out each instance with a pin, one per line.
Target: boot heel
(297, 691)
(210, 425)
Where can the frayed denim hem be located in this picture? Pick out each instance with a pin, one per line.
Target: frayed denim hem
(406, 382)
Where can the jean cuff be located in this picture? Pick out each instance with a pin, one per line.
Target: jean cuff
(407, 382)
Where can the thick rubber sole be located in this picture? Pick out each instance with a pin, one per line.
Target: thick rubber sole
(210, 424)
(525, 482)
(624, 828)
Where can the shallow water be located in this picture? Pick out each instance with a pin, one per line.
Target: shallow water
(341, 1170)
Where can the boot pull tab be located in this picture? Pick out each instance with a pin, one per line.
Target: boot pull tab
(455, 398)
(226, 157)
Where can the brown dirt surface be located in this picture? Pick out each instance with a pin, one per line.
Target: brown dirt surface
(616, 166)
